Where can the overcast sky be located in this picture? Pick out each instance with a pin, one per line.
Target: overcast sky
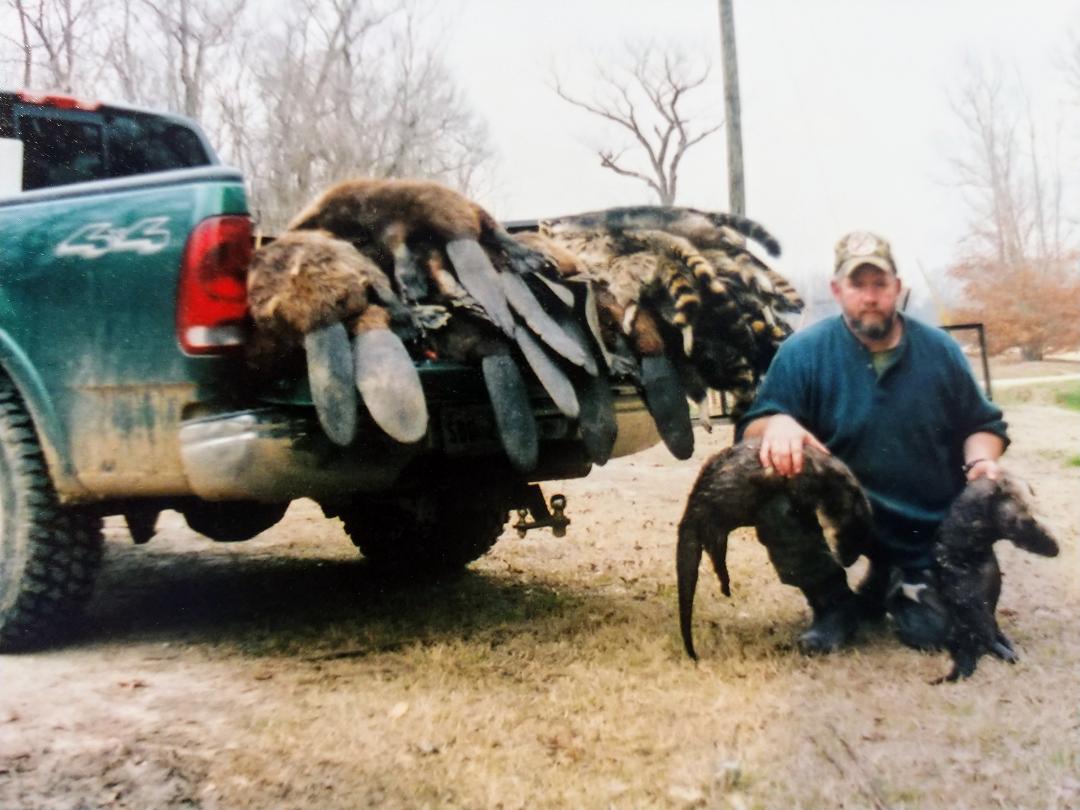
(846, 122)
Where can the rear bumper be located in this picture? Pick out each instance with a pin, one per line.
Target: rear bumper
(280, 453)
(270, 454)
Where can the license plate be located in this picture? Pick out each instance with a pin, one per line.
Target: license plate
(468, 429)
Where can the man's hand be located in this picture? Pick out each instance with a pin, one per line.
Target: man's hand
(984, 468)
(782, 441)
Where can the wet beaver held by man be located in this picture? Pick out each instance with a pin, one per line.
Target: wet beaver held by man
(731, 491)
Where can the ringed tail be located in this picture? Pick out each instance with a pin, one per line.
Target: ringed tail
(747, 227)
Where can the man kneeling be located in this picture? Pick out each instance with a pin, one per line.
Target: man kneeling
(896, 401)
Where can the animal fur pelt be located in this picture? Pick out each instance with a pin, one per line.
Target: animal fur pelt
(704, 228)
(306, 280)
(669, 298)
(387, 216)
(969, 578)
(442, 249)
(730, 492)
(309, 288)
(682, 284)
(692, 270)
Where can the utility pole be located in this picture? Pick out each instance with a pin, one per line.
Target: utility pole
(736, 183)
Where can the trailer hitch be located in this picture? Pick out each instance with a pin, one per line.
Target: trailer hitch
(555, 518)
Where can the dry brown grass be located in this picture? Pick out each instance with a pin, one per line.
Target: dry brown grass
(280, 674)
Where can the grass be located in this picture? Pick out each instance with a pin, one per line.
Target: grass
(1063, 395)
(1069, 397)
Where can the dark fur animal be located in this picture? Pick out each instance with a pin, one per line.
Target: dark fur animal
(730, 492)
(969, 578)
(390, 212)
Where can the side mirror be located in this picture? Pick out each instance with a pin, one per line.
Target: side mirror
(11, 166)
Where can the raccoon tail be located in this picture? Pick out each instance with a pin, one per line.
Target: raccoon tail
(685, 301)
(790, 300)
(747, 227)
(743, 394)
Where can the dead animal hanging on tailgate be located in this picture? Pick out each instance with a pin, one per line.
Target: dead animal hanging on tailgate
(311, 288)
(731, 491)
(386, 214)
(969, 577)
(387, 217)
(706, 326)
(629, 336)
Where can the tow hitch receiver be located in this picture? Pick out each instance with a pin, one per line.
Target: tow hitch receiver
(542, 516)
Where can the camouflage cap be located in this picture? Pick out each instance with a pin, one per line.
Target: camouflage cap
(862, 247)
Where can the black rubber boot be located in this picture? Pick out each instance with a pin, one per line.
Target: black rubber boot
(836, 617)
(871, 592)
(801, 557)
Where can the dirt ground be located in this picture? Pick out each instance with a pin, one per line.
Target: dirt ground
(280, 674)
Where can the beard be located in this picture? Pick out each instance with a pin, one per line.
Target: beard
(875, 328)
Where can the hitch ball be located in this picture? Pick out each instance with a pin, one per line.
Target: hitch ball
(555, 518)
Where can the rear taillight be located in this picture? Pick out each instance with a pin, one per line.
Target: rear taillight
(211, 305)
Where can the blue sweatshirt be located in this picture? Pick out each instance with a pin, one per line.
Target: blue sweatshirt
(902, 433)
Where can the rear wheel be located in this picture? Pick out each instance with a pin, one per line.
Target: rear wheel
(49, 554)
(435, 533)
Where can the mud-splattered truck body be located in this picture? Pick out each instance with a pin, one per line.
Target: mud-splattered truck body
(124, 388)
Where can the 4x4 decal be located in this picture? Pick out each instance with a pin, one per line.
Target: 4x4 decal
(91, 241)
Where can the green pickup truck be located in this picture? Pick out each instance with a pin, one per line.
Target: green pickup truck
(124, 387)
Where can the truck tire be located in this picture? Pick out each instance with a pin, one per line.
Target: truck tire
(432, 535)
(232, 521)
(49, 554)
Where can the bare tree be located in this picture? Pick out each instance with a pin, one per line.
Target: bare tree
(354, 88)
(645, 100)
(132, 58)
(1018, 264)
(54, 39)
(193, 32)
(337, 88)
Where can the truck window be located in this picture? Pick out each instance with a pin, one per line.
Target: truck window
(138, 144)
(62, 147)
(58, 151)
